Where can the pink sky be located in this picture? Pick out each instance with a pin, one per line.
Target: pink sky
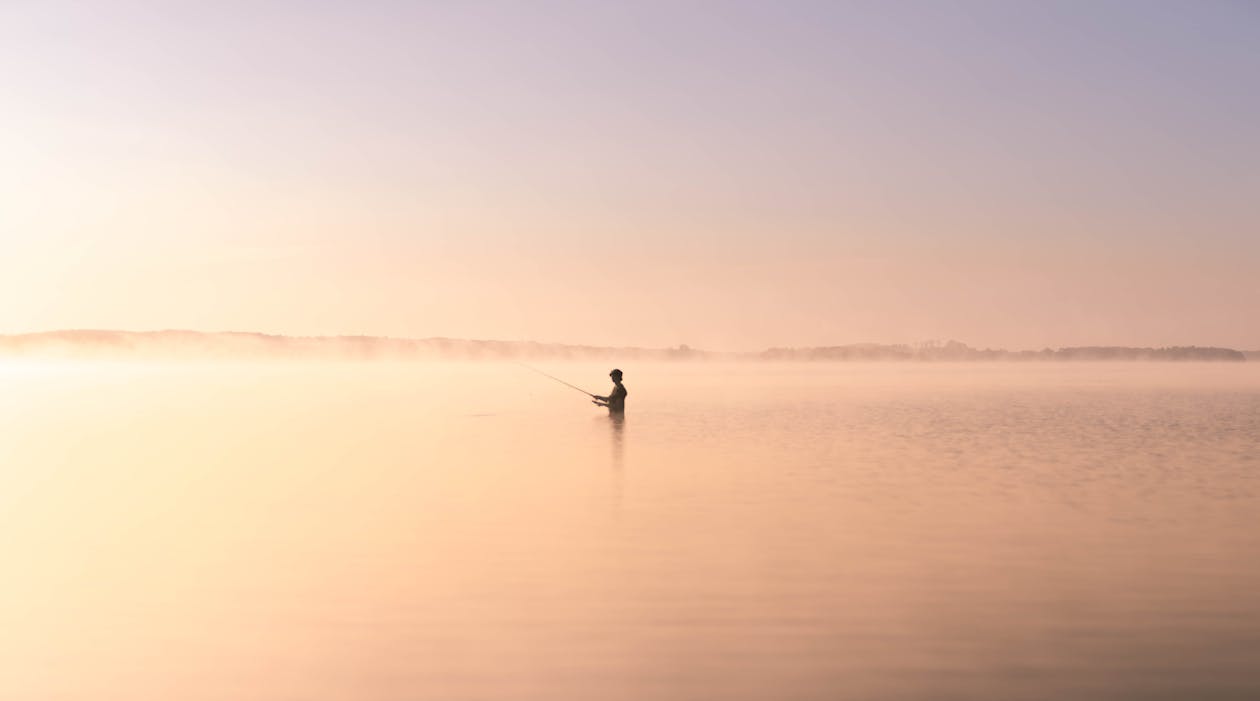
(724, 175)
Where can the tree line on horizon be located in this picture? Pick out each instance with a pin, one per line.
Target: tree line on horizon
(174, 344)
(955, 351)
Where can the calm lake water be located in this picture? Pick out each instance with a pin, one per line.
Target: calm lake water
(333, 532)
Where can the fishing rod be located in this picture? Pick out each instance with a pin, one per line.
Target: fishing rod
(566, 384)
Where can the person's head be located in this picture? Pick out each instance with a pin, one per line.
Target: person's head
(615, 375)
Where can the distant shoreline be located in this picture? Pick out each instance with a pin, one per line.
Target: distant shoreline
(244, 345)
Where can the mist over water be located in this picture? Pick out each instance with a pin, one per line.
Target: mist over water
(361, 531)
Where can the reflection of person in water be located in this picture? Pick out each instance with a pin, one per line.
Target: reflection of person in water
(616, 400)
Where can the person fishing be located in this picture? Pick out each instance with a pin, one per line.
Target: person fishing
(616, 400)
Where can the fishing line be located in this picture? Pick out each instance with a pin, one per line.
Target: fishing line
(566, 384)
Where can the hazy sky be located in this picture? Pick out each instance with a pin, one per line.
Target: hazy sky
(723, 174)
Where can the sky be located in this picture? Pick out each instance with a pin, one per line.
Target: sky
(728, 175)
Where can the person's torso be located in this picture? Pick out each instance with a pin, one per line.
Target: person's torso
(617, 398)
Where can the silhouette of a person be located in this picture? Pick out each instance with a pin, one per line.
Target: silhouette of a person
(616, 400)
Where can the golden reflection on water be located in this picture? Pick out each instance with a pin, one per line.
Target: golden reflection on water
(469, 531)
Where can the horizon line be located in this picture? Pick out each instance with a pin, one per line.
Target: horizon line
(682, 347)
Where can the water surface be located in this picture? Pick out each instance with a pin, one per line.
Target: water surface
(474, 531)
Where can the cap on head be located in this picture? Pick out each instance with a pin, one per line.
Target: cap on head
(615, 374)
